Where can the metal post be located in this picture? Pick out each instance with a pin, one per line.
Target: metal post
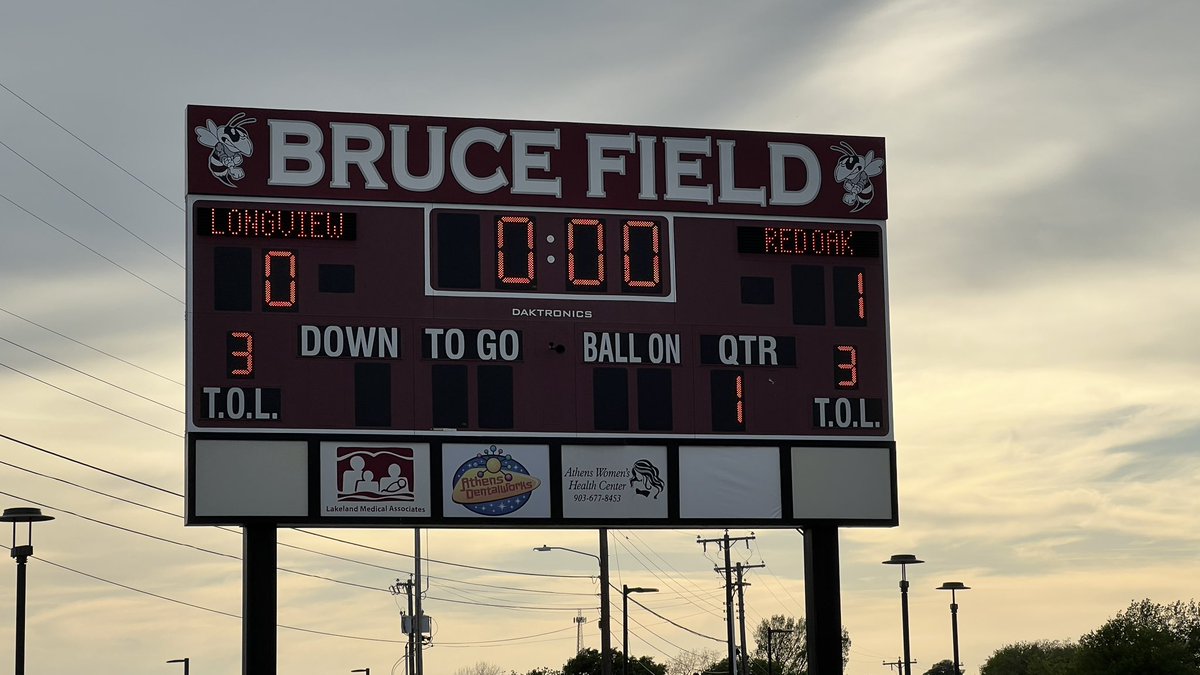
(625, 628)
(770, 663)
(954, 631)
(419, 667)
(953, 587)
(185, 661)
(259, 599)
(823, 601)
(20, 649)
(29, 516)
(606, 655)
(904, 560)
(729, 608)
(744, 663)
(770, 647)
(410, 665)
(904, 622)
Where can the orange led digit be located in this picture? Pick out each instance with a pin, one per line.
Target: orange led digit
(591, 259)
(741, 399)
(246, 354)
(279, 270)
(862, 303)
(518, 247)
(846, 362)
(642, 248)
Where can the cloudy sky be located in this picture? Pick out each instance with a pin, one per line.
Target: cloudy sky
(1042, 270)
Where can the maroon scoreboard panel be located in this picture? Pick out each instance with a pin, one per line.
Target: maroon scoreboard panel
(360, 284)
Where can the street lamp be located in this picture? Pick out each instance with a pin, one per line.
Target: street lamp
(185, 661)
(953, 586)
(771, 634)
(366, 671)
(903, 560)
(625, 591)
(22, 514)
(602, 560)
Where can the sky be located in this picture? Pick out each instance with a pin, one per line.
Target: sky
(1041, 261)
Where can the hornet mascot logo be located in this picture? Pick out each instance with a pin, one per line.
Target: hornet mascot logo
(854, 172)
(230, 144)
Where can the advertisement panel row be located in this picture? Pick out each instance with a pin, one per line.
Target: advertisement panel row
(350, 481)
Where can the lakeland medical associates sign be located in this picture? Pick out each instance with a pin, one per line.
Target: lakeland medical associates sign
(397, 319)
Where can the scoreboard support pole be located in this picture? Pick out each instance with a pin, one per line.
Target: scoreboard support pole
(259, 597)
(823, 602)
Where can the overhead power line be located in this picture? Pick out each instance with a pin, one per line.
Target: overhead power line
(93, 467)
(84, 344)
(93, 206)
(118, 265)
(88, 400)
(89, 375)
(89, 146)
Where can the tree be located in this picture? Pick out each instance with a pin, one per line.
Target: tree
(689, 662)
(943, 667)
(1145, 639)
(480, 668)
(587, 662)
(789, 650)
(1044, 657)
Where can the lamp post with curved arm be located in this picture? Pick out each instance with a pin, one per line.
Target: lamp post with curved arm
(602, 560)
(625, 591)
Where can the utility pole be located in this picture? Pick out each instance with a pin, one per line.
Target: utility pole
(419, 616)
(411, 628)
(724, 543)
(898, 664)
(740, 570)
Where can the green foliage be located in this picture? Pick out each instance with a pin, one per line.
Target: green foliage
(1032, 658)
(587, 662)
(943, 667)
(789, 650)
(1145, 639)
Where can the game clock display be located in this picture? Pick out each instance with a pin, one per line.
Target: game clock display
(433, 319)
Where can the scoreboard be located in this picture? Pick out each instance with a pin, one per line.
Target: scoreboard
(403, 320)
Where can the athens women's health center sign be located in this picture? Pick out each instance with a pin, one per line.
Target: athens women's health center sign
(471, 322)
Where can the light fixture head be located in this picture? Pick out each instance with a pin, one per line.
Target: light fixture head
(903, 559)
(953, 586)
(24, 514)
(543, 547)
